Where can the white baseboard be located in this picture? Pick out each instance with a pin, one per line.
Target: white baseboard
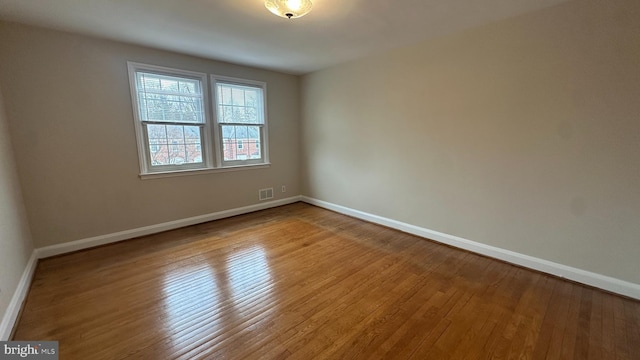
(68, 247)
(15, 305)
(582, 276)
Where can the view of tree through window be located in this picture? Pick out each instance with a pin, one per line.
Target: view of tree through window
(171, 110)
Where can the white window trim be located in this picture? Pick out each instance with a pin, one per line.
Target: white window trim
(212, 149)
(166, 174)
(264, 141)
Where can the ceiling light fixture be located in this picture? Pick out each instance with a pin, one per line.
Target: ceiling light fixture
(289, 8)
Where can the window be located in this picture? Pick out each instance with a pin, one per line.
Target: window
(240, 119)
(175, 131)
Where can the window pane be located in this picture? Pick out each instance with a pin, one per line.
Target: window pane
(241, 142)
(239, 104)
(253, 143)
(174, 144)
(169, 98)
(157, 131)
(229, 142)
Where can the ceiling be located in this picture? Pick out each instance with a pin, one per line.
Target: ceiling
(245, 32)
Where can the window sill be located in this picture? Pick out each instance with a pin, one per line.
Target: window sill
(190, 172)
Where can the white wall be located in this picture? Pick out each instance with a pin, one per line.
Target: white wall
(15, 239)
(523, 135)
(71, 123)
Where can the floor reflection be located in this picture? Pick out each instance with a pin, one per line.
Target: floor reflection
(203, 299)
(189, 293)
(249, 277)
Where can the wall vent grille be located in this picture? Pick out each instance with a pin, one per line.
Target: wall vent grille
(265, 194)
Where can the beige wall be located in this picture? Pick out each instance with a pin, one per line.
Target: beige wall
(523, 134)
(15, 239)
(71, 123)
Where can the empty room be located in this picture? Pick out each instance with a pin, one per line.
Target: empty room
(320, 179)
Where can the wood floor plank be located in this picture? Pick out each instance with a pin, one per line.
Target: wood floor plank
(595, 331)
(608, 329)
(300, 282)
(538, 308)
(623, 344)
(505, 319)
(583, 325)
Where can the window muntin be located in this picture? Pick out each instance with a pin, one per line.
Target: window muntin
(175, 131)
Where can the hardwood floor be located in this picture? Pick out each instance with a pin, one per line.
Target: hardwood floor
(301, 282)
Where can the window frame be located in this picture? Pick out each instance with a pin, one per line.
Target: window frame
(217, 126)
(212, 149)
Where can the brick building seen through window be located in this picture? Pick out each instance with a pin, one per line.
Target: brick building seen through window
(174, 144)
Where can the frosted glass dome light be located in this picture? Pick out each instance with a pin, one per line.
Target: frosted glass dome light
(289, 8)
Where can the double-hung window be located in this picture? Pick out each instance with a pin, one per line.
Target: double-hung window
(240, 118)
(180, 128)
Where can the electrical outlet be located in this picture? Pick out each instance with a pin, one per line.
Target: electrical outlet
(284, 188)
